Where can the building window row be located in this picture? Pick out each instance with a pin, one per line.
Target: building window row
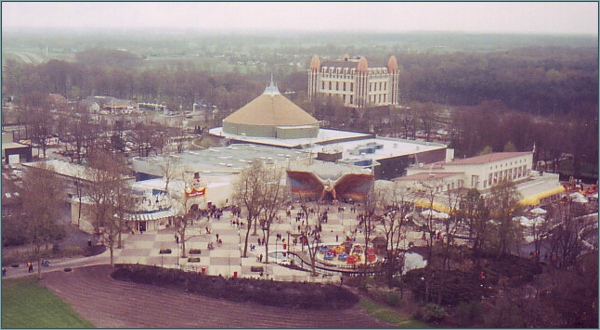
(344, 86)
(520, 161)
(508, 174)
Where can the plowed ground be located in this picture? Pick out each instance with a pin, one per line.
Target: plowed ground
(109, 303)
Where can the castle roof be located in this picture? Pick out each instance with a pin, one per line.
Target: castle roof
(362, 65)
(315, 63)
(392, 64)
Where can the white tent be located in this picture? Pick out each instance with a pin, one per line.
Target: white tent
(429, 212)
(538, 211)
(530, 222)
(442, 216)
(523, 220)
(578, 198)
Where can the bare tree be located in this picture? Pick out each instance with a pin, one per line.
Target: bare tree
(474, 210)
(429, 192)
(395, 206)
(42, 196)
(504, 206)
(109, 196)
(367, 220)
(247, 192)
(186, 217)
(169, 167)
(453, 223)
(564, 233)
(38, 118)
(81, 132)
(272, 201)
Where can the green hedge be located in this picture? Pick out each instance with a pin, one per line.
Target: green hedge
(299, 295)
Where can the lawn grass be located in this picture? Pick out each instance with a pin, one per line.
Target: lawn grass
(25, 304)
(387, 314)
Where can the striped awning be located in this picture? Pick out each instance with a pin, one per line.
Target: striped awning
(536, 199)
(435, 206)
(151, 216)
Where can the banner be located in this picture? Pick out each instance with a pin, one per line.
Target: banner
(197, 188)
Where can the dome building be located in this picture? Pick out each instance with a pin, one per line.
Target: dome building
(271, 115)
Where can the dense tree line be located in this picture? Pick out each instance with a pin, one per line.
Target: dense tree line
(541, 81)
(536, 80)
(495, 127)
(121, 77)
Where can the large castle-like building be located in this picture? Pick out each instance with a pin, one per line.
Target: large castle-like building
(357, 84)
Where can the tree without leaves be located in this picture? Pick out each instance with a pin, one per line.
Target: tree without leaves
(109, 197)
(504, 206)
(273, 200)
(38, 118)
(429, 192)
(452, 225)
(395, 205)
(42, 196)
(474, 210)
(563, 236)
(248, 192)
(367, 219)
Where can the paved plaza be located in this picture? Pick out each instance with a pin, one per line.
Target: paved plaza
(226, 259)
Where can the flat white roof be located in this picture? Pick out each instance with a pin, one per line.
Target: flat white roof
(326, 141)
(386, 148)
(325, 136)
(68, 169)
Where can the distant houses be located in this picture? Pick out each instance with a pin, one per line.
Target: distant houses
(108, 105)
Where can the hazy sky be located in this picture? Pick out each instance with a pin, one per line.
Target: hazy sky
(519, 17)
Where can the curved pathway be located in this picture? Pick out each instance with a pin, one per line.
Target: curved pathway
(109, 303)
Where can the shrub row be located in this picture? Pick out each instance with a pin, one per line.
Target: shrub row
(298, 295)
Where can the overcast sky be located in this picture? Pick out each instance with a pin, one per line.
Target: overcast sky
(511, 17)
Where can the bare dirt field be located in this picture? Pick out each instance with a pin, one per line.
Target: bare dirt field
(109, 303)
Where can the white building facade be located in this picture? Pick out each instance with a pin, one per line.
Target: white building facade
(483, 172)
(354, 82)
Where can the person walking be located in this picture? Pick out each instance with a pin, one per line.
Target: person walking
(3, 271)
(29, 267)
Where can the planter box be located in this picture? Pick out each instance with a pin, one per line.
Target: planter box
(195, 251)
(193, 259)
(257, 269)
(165, 251)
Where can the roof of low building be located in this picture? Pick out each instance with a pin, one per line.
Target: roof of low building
(427, 176)
(489, 158)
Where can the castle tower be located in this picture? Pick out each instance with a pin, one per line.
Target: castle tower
(313, 77)
(394, 77)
